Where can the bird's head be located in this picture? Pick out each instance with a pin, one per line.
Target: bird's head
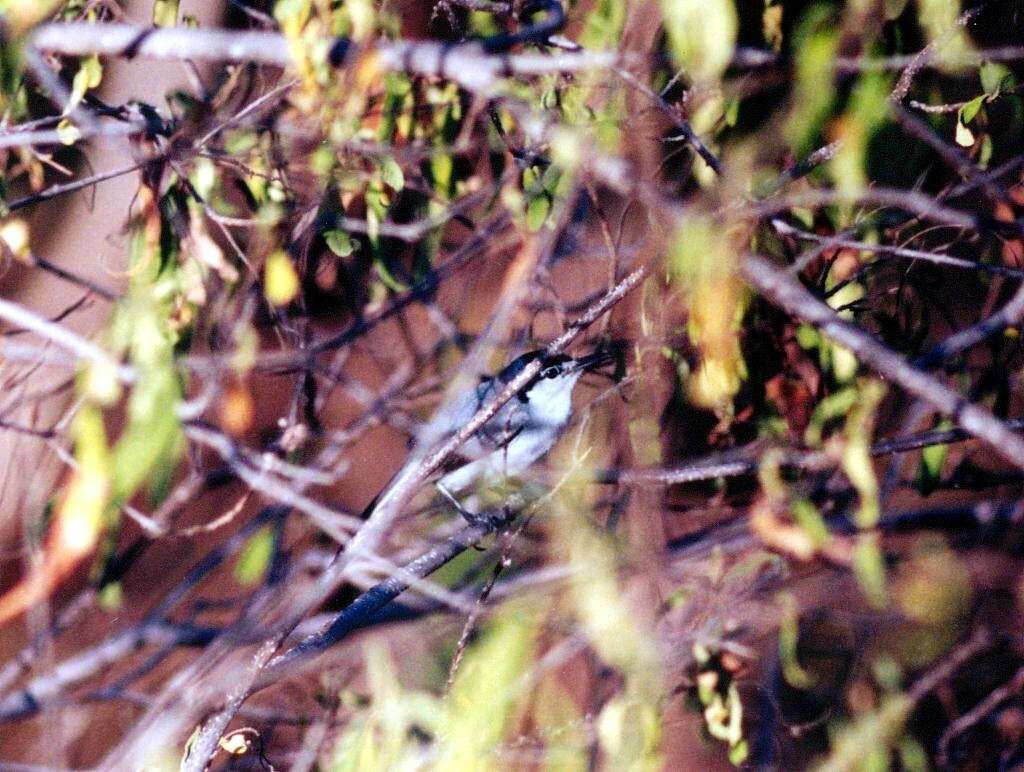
(558, 373)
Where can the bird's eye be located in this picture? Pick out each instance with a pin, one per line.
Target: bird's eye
(549, 372)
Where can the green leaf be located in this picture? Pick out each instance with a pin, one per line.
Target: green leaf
(89, 75)
(866, 113)
(995, 77)
(537, 212)
(856, 456)
(701, 35)
(604, 22)
(985, 154)
(385, 272)
(151, 440)
(894, 8)
(339, 242)
(869, 568)
(810, 521)
(487, 688)
(929, 473)
(392, 174)
(833, 406)
(738, 753)
(441, 169)
(866, 741)
(789, 645)
(240, 142)
(816, 42)
(732, 112)
(913, 757)
(254, 558)
(939, 20)
(970, 110)
(394, 113)
(111, 597)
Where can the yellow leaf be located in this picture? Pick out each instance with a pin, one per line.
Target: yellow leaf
(14, 235)
(68, 132)
(20, 15)
(78, 521)
(165, 13)
(80, 517)
(280, 280)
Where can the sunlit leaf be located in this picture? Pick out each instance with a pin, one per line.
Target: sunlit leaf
(631, 730)
(995, 77)
(567, 745)
(111, 597)
(834, 406)
(939, 19)
(339, 242)
(149, 444)
(386, 728)
(771, 25)
(603, 24)
(625, 731)
(816, 44)
(964, 137)
(21, 15)
(865, 115)
(933, 458)
(807, 516)
(487, 688)
(165, 13)
(865, 743)
(78, 522)
(933, 587)
(701, 34)
(280, 279)
(68, 133)
(869, 568)
(537, 212)
(392, 174)
(89, 75)
(856, 460)
(15, 237)
(254, 558)
(970, 110)
(704, 267)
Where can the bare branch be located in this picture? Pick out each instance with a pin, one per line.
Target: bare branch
(73, 343)
(468, 64)
(778, 287)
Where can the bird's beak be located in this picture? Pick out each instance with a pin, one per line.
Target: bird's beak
(600, 358)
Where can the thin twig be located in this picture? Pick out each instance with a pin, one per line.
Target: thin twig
(975, 715)
(66, 339)
(885, 249)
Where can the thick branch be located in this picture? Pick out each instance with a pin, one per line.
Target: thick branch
(468, 64)
(783, 290)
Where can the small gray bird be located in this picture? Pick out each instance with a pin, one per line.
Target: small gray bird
(525, 428)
